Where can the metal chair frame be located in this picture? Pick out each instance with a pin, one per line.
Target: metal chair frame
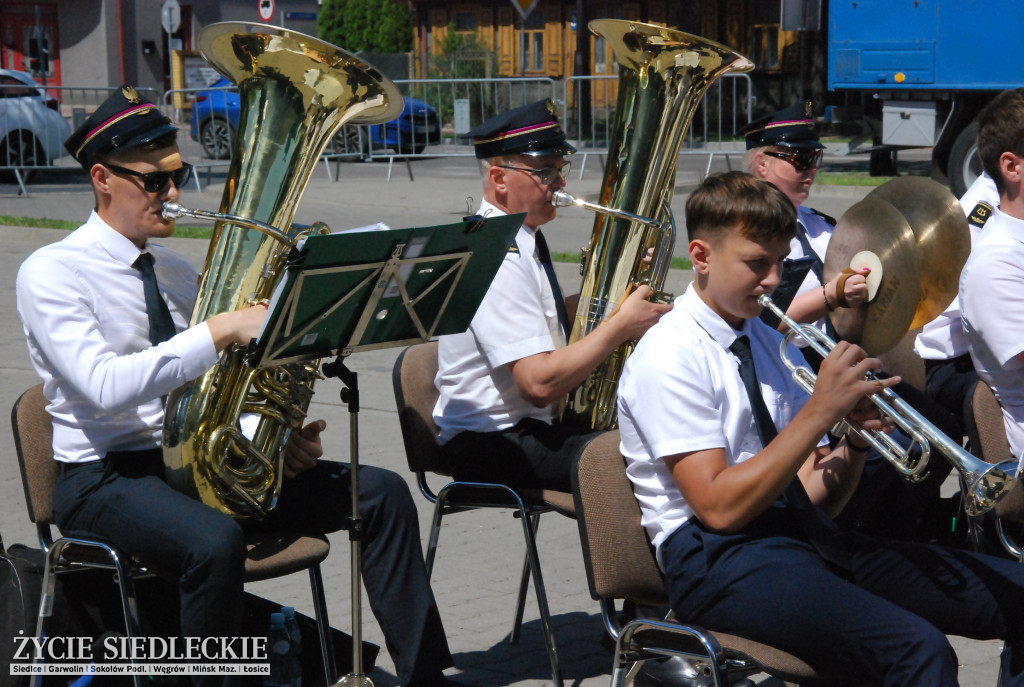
(33, 436)
(415, 395)
(621, 565)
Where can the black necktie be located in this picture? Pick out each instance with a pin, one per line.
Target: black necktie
(817, 266)
(161, 326)
(819, 530)
(544, 255)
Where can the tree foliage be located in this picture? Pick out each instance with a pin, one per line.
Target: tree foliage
(366, 25)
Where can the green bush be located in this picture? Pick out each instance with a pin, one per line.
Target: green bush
(366, 25)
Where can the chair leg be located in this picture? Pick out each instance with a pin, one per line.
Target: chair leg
(435, 532)
(524, 585)
(542, 600)
(126, 588)
(316, 583)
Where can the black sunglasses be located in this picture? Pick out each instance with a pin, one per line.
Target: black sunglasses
(155, 182)
(800, 159)
(547, 175)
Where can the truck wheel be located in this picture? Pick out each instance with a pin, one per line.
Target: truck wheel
(964, 164)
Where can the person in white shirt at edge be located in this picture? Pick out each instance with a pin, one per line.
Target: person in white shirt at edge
(104, 372)
(784, 149)
(501, 381)
(741, 517)
(992, 281)
(942, 343)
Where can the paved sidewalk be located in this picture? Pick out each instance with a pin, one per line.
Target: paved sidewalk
(480, 554)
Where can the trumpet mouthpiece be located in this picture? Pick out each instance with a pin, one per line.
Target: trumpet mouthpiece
(171, 210)
(561, 199)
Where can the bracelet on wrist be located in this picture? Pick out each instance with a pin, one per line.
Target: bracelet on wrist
(828, 305)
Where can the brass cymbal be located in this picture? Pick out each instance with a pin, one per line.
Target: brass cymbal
(875, 225)
(943, 239)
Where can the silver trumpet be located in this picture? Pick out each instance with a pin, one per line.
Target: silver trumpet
(984, 483)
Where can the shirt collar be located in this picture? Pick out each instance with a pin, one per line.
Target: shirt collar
(1011, 225)
(710, 321)
(525, 238)
(115, 243)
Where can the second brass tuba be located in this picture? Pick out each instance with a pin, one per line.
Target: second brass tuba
(295, 93)
(664, 74)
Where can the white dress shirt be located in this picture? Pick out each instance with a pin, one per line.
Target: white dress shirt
(681, 391)
(84, 314)
(943, 338)
(516, 319)
(992, 312)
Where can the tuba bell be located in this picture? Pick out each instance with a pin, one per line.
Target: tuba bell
(664, 74)
(295, 93)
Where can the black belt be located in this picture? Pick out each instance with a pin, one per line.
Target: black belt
(66, 467)
(132, 462)
(961, 363)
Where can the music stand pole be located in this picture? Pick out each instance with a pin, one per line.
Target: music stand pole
(350, 397)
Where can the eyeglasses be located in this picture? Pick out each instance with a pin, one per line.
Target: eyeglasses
(155, 182)
(547, 175)
(800, 159)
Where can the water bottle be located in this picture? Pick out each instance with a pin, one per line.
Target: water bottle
(295, 635)
(279, 646)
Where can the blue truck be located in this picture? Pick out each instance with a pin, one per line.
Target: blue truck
(926, 68)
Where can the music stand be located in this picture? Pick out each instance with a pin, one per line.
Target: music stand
(356, 291)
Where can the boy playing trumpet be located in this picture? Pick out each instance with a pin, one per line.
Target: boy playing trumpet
(737, 485)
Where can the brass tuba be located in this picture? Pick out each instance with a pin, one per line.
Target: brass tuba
(295, 93)
(664, 74)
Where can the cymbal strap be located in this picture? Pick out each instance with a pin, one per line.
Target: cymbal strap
(841, 284)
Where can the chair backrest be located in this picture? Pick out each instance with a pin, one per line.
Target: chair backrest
(416, 396)
(619, 558)
(33, 440)
(987, 435)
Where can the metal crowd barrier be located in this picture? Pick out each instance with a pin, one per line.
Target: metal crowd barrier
(33, 127)
(207, 122)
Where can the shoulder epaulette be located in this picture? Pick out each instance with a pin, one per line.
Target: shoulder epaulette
(514, 248)
(827, 218)
(980, 214)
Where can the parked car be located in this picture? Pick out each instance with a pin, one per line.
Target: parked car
(32, 129)
(215, 113)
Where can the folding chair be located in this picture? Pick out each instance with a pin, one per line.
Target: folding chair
(621, 565)
(269, 554)
(986, 435)
(415, 396)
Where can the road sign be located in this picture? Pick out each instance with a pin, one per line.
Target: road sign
(170, 16)
(266, 9)
(524, 7)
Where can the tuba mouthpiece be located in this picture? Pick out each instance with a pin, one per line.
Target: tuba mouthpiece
(561, 199)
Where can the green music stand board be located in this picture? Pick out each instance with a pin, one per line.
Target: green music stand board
(365, 290)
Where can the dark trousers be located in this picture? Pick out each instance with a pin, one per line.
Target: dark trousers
(530, 455)
(126, 502)
(949, 381)
(883, 621)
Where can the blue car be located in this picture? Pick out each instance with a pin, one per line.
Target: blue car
(215, 112)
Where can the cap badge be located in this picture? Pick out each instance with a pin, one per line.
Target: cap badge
(131, 95)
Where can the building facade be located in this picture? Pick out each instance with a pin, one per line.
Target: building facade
(99, 43)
